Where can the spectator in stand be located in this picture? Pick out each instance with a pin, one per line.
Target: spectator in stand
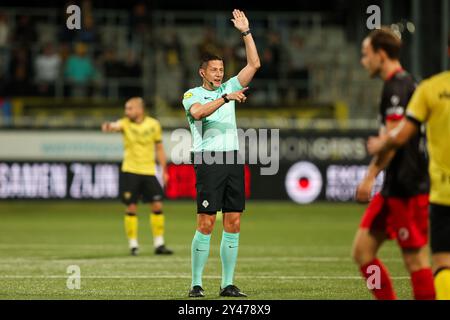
(21, 73)
(25, 32)
(209, 44)
(274, 46)
(131, 68)
(141, 31)
(47, 70)
(173, 53)
(80, 71)
(270, 71)
(4, 41)
(88, 33)
(5, 109)
(4, 30)
(112, 66)
(233, 65)
(298, 70)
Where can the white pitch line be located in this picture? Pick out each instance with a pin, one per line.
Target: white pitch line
(186, 276)
(110, 245)
(166, 260)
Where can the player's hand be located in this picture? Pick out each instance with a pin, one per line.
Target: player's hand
(106, 127)
(240, 21)
(364, 190)
(238, 96)
(165, 178)
(376, 144)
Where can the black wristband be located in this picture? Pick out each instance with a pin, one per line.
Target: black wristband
(224, 96)
(246, 33)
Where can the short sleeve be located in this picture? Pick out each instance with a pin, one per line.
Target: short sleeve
(394, 101)
(158, 132)
(122, 123)
(189, 99)
(418, 107)
(234, 84)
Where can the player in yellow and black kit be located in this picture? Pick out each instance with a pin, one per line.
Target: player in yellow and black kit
(143, 146)
(430, 104)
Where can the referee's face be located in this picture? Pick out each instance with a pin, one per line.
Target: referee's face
(213, 72)
(370, 59)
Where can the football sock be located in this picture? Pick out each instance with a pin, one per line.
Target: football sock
(157, 226)
(199, 256)
(442, 284)
(385, 290)
(131, 228)
(423, 286)
(228, 254)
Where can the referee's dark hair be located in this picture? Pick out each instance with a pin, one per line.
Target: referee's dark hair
(207, 57)
(385, 39)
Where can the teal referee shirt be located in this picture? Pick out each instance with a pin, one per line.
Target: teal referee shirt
(218, 131)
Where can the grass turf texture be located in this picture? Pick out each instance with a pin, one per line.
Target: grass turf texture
(286, 251)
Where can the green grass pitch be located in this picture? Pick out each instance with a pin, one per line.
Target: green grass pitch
(287, 251)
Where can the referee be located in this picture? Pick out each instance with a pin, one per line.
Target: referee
(143, 145)
(210, 110)
(430, 104)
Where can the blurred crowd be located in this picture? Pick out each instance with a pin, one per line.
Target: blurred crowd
(76, 60)
(78, 63)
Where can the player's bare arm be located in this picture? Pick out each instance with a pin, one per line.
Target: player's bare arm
(200, 111)
(378, 163)
(162, 160)
(111, 126)
(241, 23)
(394, 139)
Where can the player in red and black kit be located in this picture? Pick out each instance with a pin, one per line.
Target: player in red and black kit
(400, 210)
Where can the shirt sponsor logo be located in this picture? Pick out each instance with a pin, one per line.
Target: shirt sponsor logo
(395, 100)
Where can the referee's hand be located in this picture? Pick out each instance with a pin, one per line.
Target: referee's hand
(238, 96)
(240, 21)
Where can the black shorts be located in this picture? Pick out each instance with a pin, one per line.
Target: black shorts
(440, 228)
(135, 187)
(220, 187)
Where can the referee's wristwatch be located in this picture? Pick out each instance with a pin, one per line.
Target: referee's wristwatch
(245, 33)
(224, 96)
